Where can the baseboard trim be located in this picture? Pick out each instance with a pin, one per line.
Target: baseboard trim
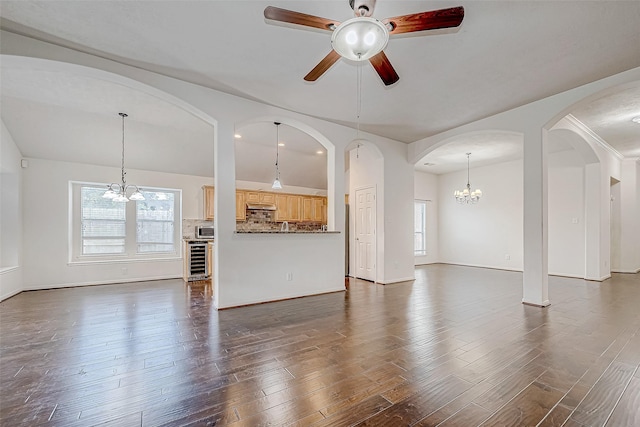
(9, 295)
(277, 300)
(407, 279)
(626, 271)
(543, 305)
(482, 266)
(98, 283)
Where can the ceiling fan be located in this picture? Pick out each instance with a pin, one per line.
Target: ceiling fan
(364, 37)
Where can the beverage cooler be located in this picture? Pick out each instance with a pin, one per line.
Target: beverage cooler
(197, 261)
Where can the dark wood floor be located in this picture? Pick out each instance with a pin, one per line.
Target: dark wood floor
(454, 348)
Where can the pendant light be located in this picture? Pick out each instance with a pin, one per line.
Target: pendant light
(466, 195)
(277, 185)
(118, 191)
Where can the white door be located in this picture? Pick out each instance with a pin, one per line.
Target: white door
(366, 233)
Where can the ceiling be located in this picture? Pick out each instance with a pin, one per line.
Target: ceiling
(504, 54)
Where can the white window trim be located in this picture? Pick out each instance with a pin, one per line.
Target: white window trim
(74, 246)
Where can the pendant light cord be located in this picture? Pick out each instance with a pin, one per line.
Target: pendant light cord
(123, 115)
(468, 183)
(359, 97)
(277, 148)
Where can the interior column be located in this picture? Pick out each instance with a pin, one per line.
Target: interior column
(224, 203)
(535, 286)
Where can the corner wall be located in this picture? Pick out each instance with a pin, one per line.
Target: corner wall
(483, 234)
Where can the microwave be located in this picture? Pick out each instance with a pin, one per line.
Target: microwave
(204, 232)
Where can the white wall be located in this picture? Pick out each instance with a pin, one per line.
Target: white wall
(483, 234)
(46, 224)
(10, 216)
(629, 260)
(566, 206)
(426, 188)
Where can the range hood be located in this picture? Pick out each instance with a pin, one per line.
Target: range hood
(256, 206)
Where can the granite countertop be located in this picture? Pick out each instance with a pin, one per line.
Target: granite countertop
(285, 232)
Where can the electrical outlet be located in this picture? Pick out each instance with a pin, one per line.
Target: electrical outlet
(124, 270)
(289, 276)
(507, 257)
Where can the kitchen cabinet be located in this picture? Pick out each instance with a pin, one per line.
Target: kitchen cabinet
(282, 210)
(287, 207)
(307, 209)
(320, 210)
(260, 197)
(313, 209)
(241, 205)
(294, 207)
(208, 191)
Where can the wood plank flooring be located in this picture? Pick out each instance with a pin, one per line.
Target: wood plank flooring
(454, 348)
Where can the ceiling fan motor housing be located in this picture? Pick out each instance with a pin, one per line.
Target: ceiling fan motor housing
(362, 7)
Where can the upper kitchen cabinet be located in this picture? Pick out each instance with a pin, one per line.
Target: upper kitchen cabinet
(260, 197)
(288, 207)
(241, 208)
(314, 209)
(208, 191)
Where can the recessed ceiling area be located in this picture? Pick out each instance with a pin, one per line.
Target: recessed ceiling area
(302, 159)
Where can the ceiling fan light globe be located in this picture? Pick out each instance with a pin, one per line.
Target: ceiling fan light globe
(351, 38)
(359, 39)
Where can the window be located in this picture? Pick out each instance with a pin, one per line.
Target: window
(420, 227)
(103, 223)
(103, 230)
(155, 219)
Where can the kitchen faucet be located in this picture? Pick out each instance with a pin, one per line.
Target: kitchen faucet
(284, 226)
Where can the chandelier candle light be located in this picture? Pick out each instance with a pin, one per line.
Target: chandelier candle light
(466, 195)
(118, 192)
(276, 184)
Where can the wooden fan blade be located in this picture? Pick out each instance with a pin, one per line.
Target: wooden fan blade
(384, 68)
(322, 66)
(284, 15)
(432, 20)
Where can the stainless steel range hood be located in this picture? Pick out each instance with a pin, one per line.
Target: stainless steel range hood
(261, 206)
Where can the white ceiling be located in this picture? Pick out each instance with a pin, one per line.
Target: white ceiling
(505, 54)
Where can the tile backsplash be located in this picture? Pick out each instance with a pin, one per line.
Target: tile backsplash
(264, 220)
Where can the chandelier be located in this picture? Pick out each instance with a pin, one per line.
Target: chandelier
(467, 195)
(277, 185)
(118, 191)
